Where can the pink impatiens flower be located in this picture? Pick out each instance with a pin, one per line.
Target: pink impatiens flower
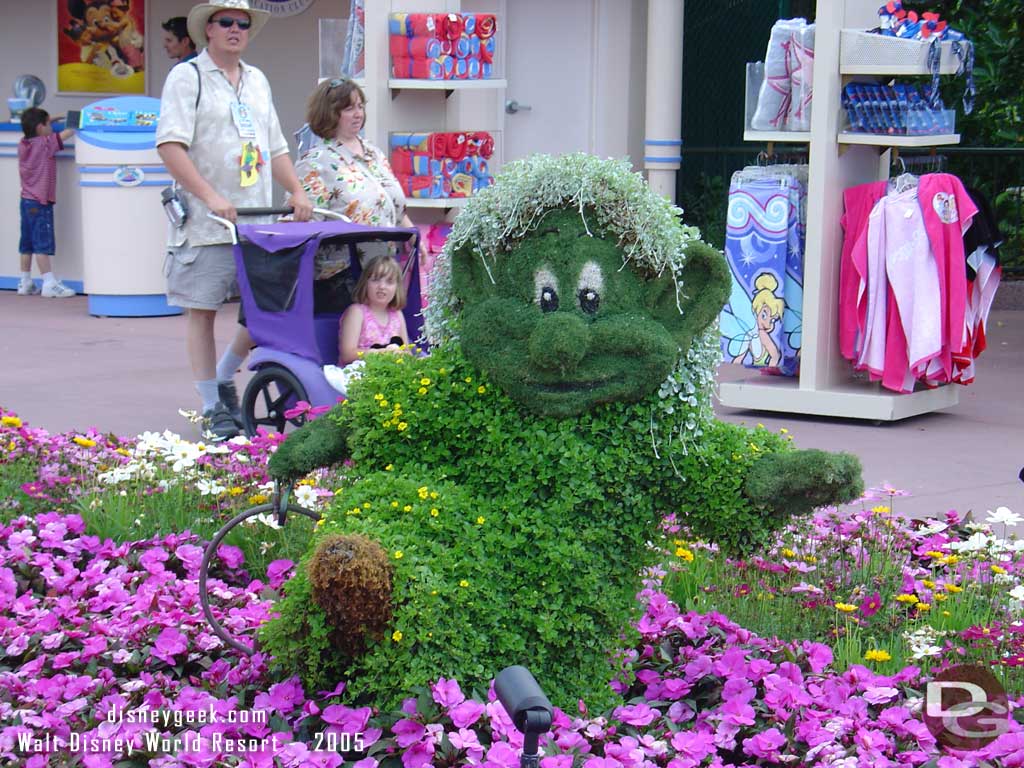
(168, 644)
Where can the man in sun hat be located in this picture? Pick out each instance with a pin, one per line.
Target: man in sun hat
(221, 140)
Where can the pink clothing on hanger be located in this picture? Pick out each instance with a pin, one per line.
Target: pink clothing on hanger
(857, 202)
(872, 352)
(947, 211)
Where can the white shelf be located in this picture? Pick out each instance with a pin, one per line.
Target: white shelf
(445, 85)
(891, 140)
(436, 202)
(782, 137)
(863, 53)
(862, 400)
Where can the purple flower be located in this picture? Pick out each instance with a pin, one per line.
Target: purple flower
(501, 755)
(231, 556)
(153, 560)
(419, 755)
(467, 740)
(765, 745)
(353, 720)
(636, 714)
(407, 731)
(819, 656)
(278, 572)
(696, 745)
(556, 761)
(168, 644)
(447, 693)
(465, 714)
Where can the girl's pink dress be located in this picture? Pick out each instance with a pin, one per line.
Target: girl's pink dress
(372, 332)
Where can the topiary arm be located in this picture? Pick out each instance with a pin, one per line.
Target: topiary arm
(320, 443)
(800, 481)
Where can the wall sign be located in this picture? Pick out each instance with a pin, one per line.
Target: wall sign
(100, 47)
(281, 7)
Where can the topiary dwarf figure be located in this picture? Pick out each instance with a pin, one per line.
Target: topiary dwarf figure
(516, 475)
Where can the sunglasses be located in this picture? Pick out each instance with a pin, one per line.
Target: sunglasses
(226, 22)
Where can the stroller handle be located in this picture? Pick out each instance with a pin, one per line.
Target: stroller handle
(284, 211)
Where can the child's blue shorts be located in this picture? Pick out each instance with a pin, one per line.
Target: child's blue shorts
(36, 227)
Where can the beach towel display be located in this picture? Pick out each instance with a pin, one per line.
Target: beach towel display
(784, 98)
(916, 285)
(442, 164)
(442, 46)
(764, 245)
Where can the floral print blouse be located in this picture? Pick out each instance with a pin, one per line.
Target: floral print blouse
(361, 187)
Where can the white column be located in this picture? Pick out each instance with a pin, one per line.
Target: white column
(664, 97)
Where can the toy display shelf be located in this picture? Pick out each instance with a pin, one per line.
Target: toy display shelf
(436, 202)
(448, 86)
(827, 384)
(777, 137)
(868, 53)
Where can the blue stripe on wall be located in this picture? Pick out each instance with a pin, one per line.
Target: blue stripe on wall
(664, 142)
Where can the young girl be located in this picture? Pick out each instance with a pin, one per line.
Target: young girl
(375, 322)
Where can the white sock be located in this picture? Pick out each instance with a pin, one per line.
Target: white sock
(48, 278)
(208, 391)
(228, 364)
(26, 276)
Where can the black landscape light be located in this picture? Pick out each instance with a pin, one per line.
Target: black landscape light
(529, 708)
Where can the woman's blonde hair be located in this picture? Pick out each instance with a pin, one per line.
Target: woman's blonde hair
(327, 101)
(381, 266)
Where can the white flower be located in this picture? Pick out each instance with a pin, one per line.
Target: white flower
(306, 496)
(210, 487)
(976, 543)
(1003, 515)
(1017, 593)
(932, 528)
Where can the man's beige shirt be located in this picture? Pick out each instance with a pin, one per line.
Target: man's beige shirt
(213, 141)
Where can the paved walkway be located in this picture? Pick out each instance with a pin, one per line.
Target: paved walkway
(63, 370)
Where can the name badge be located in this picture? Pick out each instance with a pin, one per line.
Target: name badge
(242, 116)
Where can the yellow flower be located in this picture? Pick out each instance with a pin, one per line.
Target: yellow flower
(422, 491)
(383, 403)
(952, 588)
(946, 613)
(940, 597)
(424, 382)
(934, 555)
(85, 442)
(922, 606)
(123, 452)
(10, 421)
(469, 379)
(236, 490)
(928, 583)
(389, 467)
(754, 448)
(394, 504)
(434, 512)
(481, 520)
(320, 522)
(396, 636)
(877, 655)
(783, 431)
(684, 554)
(788, 553)
(402, 426)
(407, 508)
(366, 505)
(443, 371)
(258, 498)
(997, 569)
(399, 554)
(906, 598)
(846, 607)
(481, 389)
(951, 559)
(881, 509)
(463, 583)
(354, 511)
(378, 396)
(433, 494)
(422, 390)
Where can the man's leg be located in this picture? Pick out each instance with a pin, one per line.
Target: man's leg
(202, 354)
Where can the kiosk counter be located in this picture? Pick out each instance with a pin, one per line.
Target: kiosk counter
(123, 226)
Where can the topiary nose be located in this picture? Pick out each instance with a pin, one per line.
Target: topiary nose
(559, 342)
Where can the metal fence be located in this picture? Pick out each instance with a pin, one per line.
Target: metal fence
(998, 172)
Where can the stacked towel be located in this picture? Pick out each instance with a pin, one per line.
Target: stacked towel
(442, 46)
(784, 101)
(442, 164)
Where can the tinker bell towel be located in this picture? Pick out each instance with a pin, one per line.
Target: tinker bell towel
(761, 324)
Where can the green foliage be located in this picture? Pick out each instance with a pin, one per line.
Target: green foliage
(14, 502)
(704, 206)
(996, 30)
(802, 481)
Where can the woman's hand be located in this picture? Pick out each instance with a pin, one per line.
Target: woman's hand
(303, 208)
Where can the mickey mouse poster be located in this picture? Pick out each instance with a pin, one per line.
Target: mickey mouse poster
(100, 46)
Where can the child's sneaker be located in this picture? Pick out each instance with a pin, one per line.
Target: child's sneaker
(27, 288)
(57, 290)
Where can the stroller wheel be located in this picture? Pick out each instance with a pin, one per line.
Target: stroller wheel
(271, 392)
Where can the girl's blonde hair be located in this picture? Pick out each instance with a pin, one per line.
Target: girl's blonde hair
(765, 295)
(382, 265)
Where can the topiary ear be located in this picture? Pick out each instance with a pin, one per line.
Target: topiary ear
(705, 291)
(470, 280)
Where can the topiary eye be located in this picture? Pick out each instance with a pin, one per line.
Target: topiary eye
(548, 299)
(545, 286)
(588, 291)
(590, 300)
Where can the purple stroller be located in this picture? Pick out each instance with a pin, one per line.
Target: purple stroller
(296, 332)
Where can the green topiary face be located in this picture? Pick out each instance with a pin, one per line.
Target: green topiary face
(562, 324)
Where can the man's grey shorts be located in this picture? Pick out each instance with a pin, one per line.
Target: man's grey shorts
(200, 276)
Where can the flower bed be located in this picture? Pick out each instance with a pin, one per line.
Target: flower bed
(95, 631)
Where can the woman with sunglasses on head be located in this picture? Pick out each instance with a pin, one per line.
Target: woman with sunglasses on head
(346, 173)
(221, 140)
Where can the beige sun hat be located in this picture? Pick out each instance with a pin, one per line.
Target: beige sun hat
(200, 15)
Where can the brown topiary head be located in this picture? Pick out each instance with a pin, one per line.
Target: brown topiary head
(351, 581)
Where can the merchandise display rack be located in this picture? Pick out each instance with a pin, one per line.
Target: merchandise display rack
(827, 384)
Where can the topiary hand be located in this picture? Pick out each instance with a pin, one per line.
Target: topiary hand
(796, 482)
(319, 443)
